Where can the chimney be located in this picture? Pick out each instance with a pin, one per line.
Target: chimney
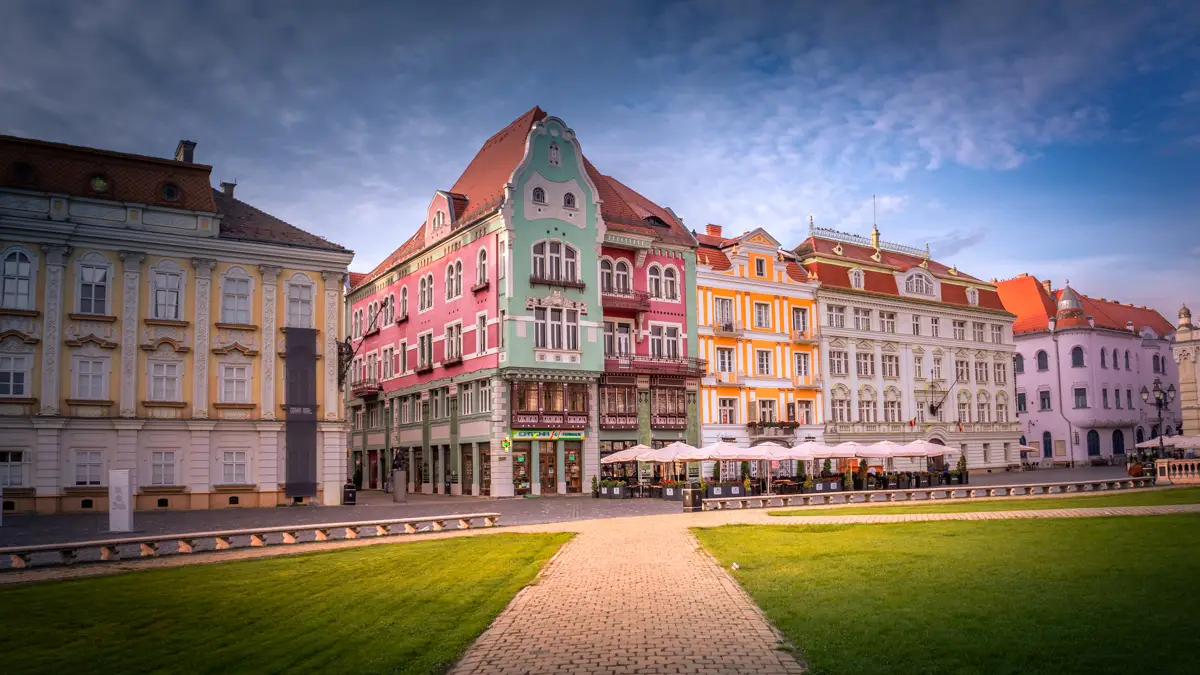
(712, 230)
(1052, 321)
(227, 188)
(185, 151)
(1046, 285)
(1129, 327)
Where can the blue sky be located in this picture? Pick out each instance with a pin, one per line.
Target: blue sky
(1058, 139)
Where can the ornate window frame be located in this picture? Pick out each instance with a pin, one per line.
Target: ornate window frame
(857, 277)
(298, 280)
(168, 266)
(14, 346)
(90, 352)
(236, 272)
(239, 360)
(34, 261)
(94, 259)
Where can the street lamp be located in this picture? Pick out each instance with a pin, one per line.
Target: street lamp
(1162, 398)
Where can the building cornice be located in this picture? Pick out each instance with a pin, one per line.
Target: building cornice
(855, 295)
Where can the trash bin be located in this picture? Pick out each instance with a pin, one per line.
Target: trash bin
(399, 486)
(692, 500)
(349, 494)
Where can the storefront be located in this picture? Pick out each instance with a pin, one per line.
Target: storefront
(547, 461)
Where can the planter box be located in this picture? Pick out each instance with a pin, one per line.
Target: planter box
(922, 481)
(672, 494)
(955, 480)
(725, 491)
(613, 492)
(893, 484)
(827, 485)
(903, 483)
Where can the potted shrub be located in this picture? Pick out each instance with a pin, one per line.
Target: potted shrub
(963, 474)
(613, 489)
(903, 482)
(595, 487)
(672, 490)
(923, 479)
(893, 481)
(807, 486)
(827, 469)
(954, 478)
(848, 480)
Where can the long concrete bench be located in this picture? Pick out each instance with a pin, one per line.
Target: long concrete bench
(930, 493)
(223, 540)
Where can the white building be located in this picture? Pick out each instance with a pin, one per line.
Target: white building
(912, 349)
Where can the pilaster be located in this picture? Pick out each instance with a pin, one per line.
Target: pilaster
(333, 294)
(267, 473)
(332, 462)
(270, 280)
(591, 442)
(47, 457)
(131, 261)
(204, 270)
(501, 461)
(56, 258)
(199, 460)
(126, 456)
(455, 453)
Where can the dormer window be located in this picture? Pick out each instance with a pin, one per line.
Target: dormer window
(569, 201)
(918, 284)
(23, 173)
(100, 184)
(972, 297)
(539, 195)
(856, 279)
(169, 192)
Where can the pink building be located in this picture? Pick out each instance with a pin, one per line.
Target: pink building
(1081, 365)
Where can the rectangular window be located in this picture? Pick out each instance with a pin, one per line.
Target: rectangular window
(977, 331)
(935, 326)
(919, 367)
(723, 314)
(235, 301)
(891, 365)
(162, 468)
(16, 276)
(866, 410)
(453, 341)
(556, 329)
(12, 468)
(727, 411)
(89, 379)
(724, 360)
(539, 330)
(1081, 397)
(887, 322)
(672, 342)
(960, 330)
(93, 289)
(964, 412)
(800, 319)
(838, 363)
(233, 467)
(1104, 397)
(760, 267)
(802, 364)
(983, 412)
(862, 319)
(481, 337)
(766, 410)
(609, 340)
(1001, 373)
(466, 404)
(89, 465)
(937, 368)
(572, 327)
(762, 315)
(804, 412)
(836, 316)
(1043, 400)
(997, 334)
(891, 411)
(981, 372)
(485, 395)
(866, 364)
(1129, 399)
(166, 295)
(500, 331)
(962, 371)
(841, 410)
(164, 382)
(1021, 402)
(1001, 412)
(763, 360)
(1117, 398)
(916, 325)
(235, 384)
(656, 341)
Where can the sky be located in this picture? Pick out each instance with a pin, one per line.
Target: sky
(1059, 139)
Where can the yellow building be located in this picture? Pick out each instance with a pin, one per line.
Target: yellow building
(144, 320)
(756, 314)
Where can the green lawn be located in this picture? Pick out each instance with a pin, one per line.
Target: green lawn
(1054, 596)
(403, 608)
(1140, 498)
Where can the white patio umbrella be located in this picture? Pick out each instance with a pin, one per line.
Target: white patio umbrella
(666, 454)
(839, 451)
(1167, 441)
(775, 452)
(626, 455)
(922, 448)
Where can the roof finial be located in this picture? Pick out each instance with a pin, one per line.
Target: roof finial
(811, 226)
(927, 250)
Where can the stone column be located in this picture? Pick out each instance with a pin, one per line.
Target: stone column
(132, 262)
(204, 270)
(333, 295)
(643, 407)
(56, 259)
(270, 279)
(455, 451)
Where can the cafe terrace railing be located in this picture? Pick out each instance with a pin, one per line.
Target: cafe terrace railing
(148, 546)
(1178, 471)
(938, 493)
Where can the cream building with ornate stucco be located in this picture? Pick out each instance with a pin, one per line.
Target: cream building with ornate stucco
(144, 319)
(1186, 349)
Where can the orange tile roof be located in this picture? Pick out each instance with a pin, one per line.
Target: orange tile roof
(715, 258)
(817, 246)
(1110, 314)
(356, 278)
(796, 272)
(1026, 297)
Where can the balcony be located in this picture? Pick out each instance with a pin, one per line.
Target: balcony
(620, 297)
(550, 420)
(730, 379)
(481, 286)
(403, 318)
(550, 279)
(804, 337)
(806, 382)
(366, 387)
(426, 367)
(727, 327)
(653, 364)
(772, 429)
(618, 421)
(668, 421)
(452, 360)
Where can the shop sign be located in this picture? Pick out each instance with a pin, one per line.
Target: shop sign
(547, 435)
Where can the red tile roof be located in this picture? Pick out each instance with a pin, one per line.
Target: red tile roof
(817, 246)
(356, 278)
(796, 272)
(1026, 297)
(713, 257)
(480, 190)
(241, 221)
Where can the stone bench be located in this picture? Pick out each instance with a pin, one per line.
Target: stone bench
(223, 540)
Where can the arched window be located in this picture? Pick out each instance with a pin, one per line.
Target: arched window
(481, 275)
(300, 292)
(622, 276)
(569, 200)
(458, 279)
(404, 301)
(1019, 364)
(1047, 444)
(1154, 432)
(421, 295)
(1139, 435)
(555, 261)
(1043, 361)
(1076, 357)
(389, 310)
(1103, 359)
(606, 276)
(17, 281)
(429, 291)
(1127, 359)
(1116, 360)
(450, 281)
(1155, 363)
(539, 195)
(918, 284)
(1118, 442)
(654, 281)
(670, 284)
(856, 278)
(1093, 443)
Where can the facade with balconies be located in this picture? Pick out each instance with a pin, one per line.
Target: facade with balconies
(758, 336)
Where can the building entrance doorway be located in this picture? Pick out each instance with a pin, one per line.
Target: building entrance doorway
(468, 468)
(939, 463)
(573, 454)
(372, 470)
(485, 470)
(547, 469)
(434, 458)
(520, 468)
(447, 470)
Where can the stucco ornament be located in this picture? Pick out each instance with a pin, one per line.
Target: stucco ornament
(556, 300)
